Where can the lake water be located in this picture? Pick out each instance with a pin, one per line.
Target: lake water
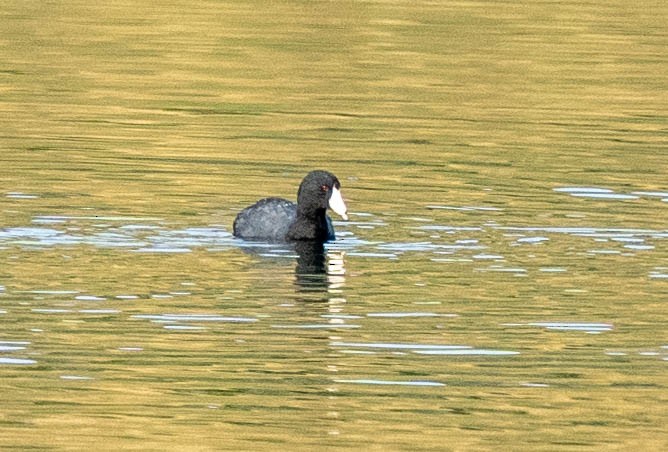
(502, 282)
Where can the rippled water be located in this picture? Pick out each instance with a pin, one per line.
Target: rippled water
(501, 283)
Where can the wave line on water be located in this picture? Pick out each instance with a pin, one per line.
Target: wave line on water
(192, 318)
(398, 346)
(474, 351)
(391, 382)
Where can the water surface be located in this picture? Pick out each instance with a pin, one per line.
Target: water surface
(501, 283)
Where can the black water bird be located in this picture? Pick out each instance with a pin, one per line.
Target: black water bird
(280, 220)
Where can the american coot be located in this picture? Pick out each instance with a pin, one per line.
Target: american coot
(279, 220)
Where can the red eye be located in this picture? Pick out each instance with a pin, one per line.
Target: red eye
(324, 188)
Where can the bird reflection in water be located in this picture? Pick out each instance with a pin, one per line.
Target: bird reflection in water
(319, 271)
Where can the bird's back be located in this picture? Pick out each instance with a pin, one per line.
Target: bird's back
(268, 219)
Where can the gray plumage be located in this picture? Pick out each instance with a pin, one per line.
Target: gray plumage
(268, 219)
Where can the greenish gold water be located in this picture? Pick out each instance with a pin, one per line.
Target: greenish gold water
(502, 283)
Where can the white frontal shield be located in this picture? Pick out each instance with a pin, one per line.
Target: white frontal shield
(336, 203)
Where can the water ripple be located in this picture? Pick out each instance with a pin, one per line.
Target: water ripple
(317, 326)
(17, 361)
(403, 314)
(20, 195)
(391, 382)
(477, 351)
(169, 318)
(594, 192)
(466, 208)
(398, 346)
(14, 346)
(588, 327)
(426, 349)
